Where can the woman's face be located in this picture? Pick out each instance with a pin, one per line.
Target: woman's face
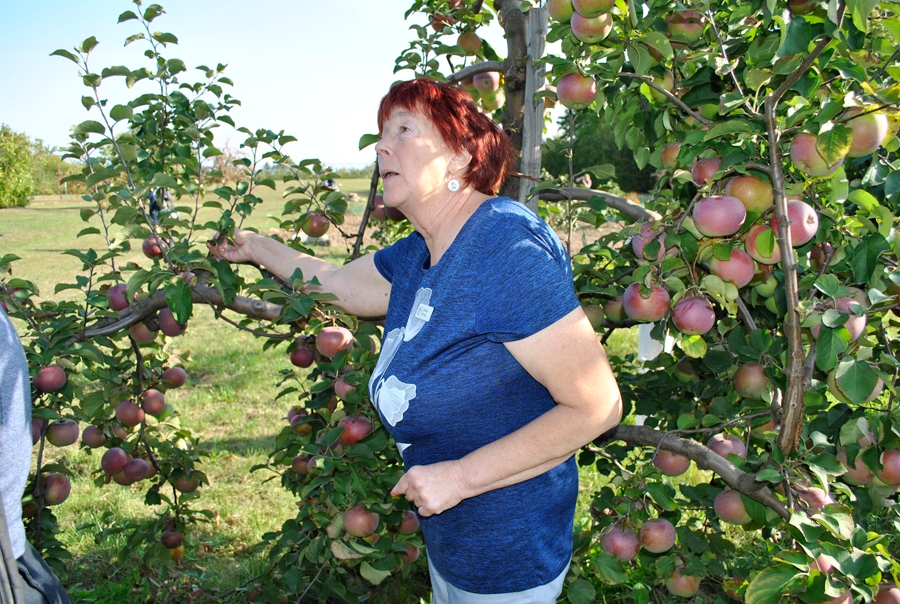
(414, 161)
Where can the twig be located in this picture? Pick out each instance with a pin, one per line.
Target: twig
(311, 583)
(631, 209)
(737, 84)
(649, 82)
(373, 186)
(475, 69)
(745, 315)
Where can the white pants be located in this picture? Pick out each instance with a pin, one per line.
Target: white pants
(445, 593)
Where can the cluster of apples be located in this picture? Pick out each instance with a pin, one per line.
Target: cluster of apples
(485, 87)
(360, 522)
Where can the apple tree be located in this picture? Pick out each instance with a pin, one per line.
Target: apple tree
(766, 254)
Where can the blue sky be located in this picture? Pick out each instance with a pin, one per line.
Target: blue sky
(314, 69)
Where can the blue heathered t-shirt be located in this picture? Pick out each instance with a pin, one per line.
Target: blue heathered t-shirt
(446, 385)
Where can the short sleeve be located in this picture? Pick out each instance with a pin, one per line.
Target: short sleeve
(525, 280)
(387, 259)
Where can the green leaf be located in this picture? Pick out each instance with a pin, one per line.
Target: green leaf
(728, 128)
(65, 54)
(89, 126)
(829, 285)
(372, 575)
(838, 523)
(163, 180)
(770, 584)
(797, 39)
(833, 145)
(88, 231)
(178, 298)
(639, 57)
(227, 280)
(693, 346)
(121, 112)
(609, 569)
(856, 379)
(893, 27)
(126, 16)
(860, 10)
(89, 44)
(368, 139)
(117, 70)
(660, 494)
(580, 592)
(165, 38)
(829, 346)
(863, 199)
(864, 257)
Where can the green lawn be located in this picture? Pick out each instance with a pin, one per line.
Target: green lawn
(228, 403)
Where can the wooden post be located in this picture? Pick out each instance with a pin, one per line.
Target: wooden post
(533, 122)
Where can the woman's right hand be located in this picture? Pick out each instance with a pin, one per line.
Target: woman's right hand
(236, 250)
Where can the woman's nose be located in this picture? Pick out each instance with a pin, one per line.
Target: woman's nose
(381, 147)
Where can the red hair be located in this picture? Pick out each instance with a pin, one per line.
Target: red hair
(460, 124)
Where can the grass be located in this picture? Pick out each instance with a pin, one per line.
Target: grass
(229, 403)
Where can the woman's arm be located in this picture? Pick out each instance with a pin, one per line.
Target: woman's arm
(569, 361)
(359, 287)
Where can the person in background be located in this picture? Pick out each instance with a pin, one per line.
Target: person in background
(154, 206)
(490, 376)
(36, 580)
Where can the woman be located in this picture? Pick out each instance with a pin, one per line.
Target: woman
(490, 376)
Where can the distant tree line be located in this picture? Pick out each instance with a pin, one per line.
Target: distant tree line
(28, 167)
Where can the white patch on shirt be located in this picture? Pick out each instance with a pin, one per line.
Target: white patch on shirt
(390, 395)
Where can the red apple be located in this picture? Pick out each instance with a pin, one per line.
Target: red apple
(669, 156)
(614, 309)
(645, 236)
(648, 309)
(594, 314)
(738, 269)
(50, 378)
(754, 249)
(703, 170)
(469, 42)
(113, 461)
(136, 469)
(171, 538)
(332, 340)
(855, 324)
(890, 468)
(186, 484)
(355, 429)
(378, 209)
(298, 421)
(685, 371)
(750, 381)
(409, 524)
(859, 474)
(316, 225)
(719, 215)
(685, 26)
(487, 82)
(822, 564)
(55, 488)
(593, 8)
(576, 91)
(693, 316)
(802, 7)
(727, 444)
(815, 499)
(671, 464)
(342, 388)
(804, 222)
(757, 195)
(869, 131)
(818, 254)
(129, 414)
(141, 334)
(887, 594)
(152, 247)
(593, 30)
(153, 401)
(560, 10)
(684, 586)
(300, 465)
(301, 356)
(730, 508)
(808, 160)
(359, 522)
(657, 535)
(118, 431)
(174, 377)
(93, 437)
(168, 325)
(620, 541)
(117, 297)
(411, 555)
(63, 432)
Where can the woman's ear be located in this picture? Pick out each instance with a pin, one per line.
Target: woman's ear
(460, 160)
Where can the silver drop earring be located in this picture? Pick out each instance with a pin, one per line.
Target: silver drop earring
(453, 185)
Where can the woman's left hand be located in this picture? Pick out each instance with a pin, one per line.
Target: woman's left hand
(433, 488)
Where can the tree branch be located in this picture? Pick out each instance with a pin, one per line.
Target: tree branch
(649, 82)
(631, 209)
(705, 460)
(473, 70)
